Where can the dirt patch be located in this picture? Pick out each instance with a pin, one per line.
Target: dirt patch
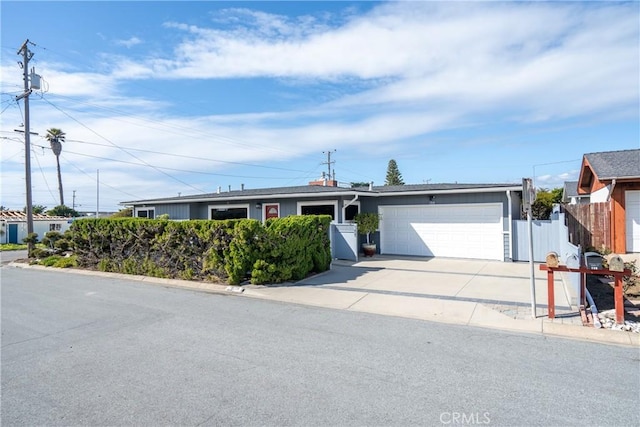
(603, 296)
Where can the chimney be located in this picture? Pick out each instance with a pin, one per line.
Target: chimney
(371, 186)
(241, 187)
(219, 189)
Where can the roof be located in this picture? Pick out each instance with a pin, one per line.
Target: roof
(309, 191)
(571, 190)
(22, 216)
(607, 165)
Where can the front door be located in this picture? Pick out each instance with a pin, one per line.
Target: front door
(13, 233)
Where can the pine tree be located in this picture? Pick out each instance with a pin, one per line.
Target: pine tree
(394, 177)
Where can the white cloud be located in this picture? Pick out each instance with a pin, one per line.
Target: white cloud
(411, 69)
(129, 43)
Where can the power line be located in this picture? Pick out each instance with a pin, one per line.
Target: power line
(120, 148)
(305, 173)
(189, 157)
(101, 182)
(43, 175)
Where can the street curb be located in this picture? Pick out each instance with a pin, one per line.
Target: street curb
(175, 283)
(487, 320)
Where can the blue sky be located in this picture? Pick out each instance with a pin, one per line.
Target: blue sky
(168, 98)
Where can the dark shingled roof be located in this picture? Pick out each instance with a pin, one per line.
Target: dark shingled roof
(615, 164)
(319, 190)
(571, 189)
(436, 187)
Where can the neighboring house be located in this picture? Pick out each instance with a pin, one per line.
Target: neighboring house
(570, 194)
(13, 225)
(614, 177)
(449, 220)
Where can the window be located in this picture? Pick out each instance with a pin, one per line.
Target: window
(228, 212)
(318, 208)
(149, 213)
(55, 227)
(351, 211)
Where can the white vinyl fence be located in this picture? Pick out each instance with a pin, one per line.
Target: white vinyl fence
(548, 236)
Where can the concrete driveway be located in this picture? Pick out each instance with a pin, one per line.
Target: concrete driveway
(462, 291)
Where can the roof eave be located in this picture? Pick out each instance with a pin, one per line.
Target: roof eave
(241, 197)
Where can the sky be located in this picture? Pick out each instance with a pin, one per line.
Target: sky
(168, 98)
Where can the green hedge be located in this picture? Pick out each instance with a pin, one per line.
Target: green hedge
(232, 250)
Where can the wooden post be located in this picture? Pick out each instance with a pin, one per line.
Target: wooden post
(618, 288)
(551, 301)
(618, 298)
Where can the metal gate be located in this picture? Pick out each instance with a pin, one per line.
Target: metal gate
(344, 241)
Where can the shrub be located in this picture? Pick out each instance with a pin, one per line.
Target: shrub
(67, 262)
(230, 250)
(50, 260)
(41, 253)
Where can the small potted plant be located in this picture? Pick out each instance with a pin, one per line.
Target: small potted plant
(367, 223)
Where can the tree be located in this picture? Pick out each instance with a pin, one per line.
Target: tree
(359, 184)
(63, 210)
(56, 137)
(123, 213)
(36, 209)
(545, 199)
(394, 177)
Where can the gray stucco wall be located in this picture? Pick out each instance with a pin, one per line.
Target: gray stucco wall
(178, 211)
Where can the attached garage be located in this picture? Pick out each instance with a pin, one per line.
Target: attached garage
(632, 226)
(447, 230)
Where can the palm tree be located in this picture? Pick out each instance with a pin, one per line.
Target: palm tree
(56, 138)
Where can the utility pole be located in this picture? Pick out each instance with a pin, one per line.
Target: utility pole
(528, 197)
(26, 56)
(329, 163)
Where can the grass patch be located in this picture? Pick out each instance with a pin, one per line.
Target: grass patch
(59, 261)
(13, 247)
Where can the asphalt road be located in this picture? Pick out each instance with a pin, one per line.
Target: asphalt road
(83, 350)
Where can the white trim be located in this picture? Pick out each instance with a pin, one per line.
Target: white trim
(220, 207)
(146, 208)
(344, 210)
(299, 206)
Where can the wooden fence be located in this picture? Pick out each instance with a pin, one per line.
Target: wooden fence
(589, 225)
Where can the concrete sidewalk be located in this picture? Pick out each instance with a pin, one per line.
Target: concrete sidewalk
(487, 294)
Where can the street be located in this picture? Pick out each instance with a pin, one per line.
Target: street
(84, 350)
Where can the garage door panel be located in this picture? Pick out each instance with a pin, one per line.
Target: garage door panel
(466, 231)
(632, 226)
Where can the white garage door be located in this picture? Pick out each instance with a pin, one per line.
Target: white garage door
(632, 213)
(459, 231)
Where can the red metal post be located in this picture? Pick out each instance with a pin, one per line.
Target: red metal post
(619, 300)
(583, 289)
(551, 295)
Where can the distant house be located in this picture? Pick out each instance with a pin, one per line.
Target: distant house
(448, 220)
(570, 194)
(614, 177)
(13, 225)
